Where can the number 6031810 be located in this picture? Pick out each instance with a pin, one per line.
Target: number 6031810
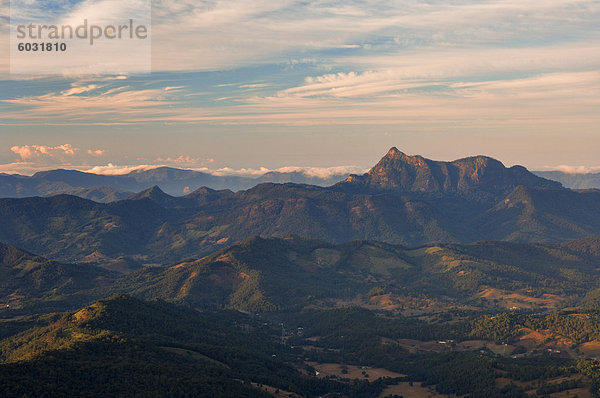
(42, 47)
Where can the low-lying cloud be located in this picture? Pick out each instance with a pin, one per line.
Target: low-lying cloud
(315, 172)
(575, 169)
(112, 169)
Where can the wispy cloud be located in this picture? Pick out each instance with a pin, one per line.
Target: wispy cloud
(228, 34)
(264, 31)
(92, 103)
(185, 160)
(530, 83)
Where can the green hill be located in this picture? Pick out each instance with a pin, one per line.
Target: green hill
(126, 347)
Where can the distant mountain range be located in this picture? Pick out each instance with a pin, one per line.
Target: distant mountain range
(411, 173)
(573, 180)
(402, 200)
(109, 188)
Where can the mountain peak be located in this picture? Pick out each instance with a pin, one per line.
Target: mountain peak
(395, 153)
(201, 191)
(154, 193)
(397, 171)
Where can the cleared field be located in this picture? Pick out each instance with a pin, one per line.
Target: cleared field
(416, 346)
(353, 372)
(581, 392)
(405, 305)
(590, 349)
(518, 300)
(576, 392)
(415, 391)
(471, 344)
(531, 338)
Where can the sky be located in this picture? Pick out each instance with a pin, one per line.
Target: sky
(261, 85)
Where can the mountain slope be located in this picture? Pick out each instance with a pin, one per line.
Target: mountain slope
(99, 194)
(527, 215)
(26, 279)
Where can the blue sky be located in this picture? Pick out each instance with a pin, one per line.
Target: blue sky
(251, 84)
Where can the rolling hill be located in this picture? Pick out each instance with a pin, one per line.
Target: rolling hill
(273, 274)
(290, 274)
